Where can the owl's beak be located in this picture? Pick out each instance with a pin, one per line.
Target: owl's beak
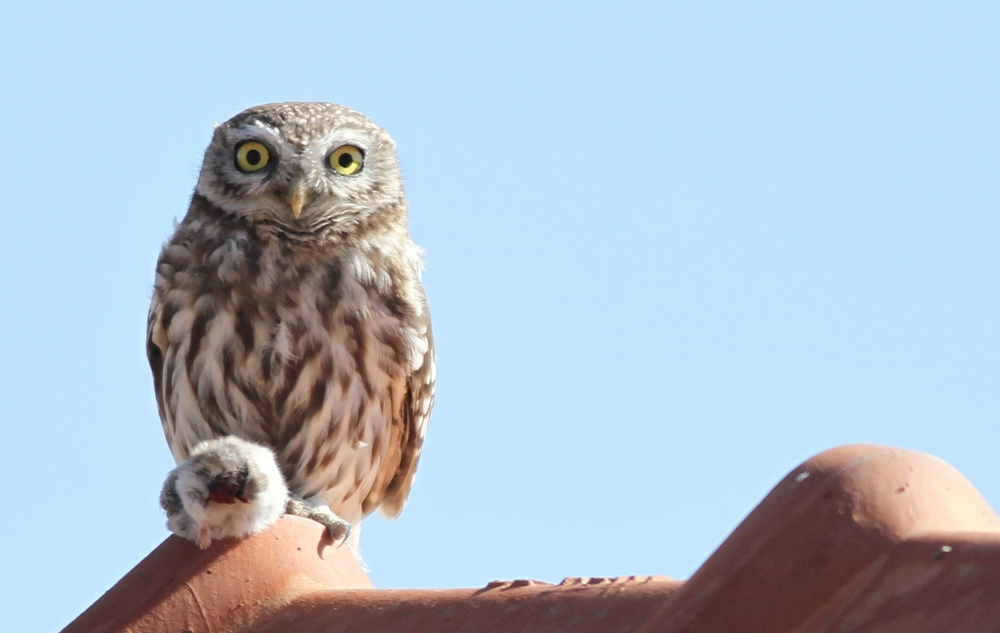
(298, 195)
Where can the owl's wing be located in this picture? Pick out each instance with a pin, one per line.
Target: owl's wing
(156, 344)
(392, 486)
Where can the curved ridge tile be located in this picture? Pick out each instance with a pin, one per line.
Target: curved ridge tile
(827, 523)
(181, 588)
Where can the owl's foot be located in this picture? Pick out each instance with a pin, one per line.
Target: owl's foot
(337, 528)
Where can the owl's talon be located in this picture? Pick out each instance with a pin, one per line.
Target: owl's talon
(336, 528)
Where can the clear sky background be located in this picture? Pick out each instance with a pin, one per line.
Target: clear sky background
(673, 250)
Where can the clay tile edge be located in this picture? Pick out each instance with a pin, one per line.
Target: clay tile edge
(824, 524)
(181, 588)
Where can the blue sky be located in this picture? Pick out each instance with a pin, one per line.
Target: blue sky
(673, 250)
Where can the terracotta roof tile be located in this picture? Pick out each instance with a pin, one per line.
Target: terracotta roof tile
(517, 606)
(831, 526)
(861, 538)
(179, 587)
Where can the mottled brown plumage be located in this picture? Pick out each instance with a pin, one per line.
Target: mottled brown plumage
(288, 309)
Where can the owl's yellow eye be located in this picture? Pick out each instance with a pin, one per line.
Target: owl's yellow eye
(347, 160)
(252, 156)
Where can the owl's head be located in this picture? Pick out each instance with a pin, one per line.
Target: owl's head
(314, 168)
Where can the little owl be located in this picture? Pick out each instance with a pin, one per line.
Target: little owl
(288, 311)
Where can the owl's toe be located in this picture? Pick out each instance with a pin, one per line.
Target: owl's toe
(338, 529)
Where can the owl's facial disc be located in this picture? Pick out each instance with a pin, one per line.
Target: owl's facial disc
(310, 168)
